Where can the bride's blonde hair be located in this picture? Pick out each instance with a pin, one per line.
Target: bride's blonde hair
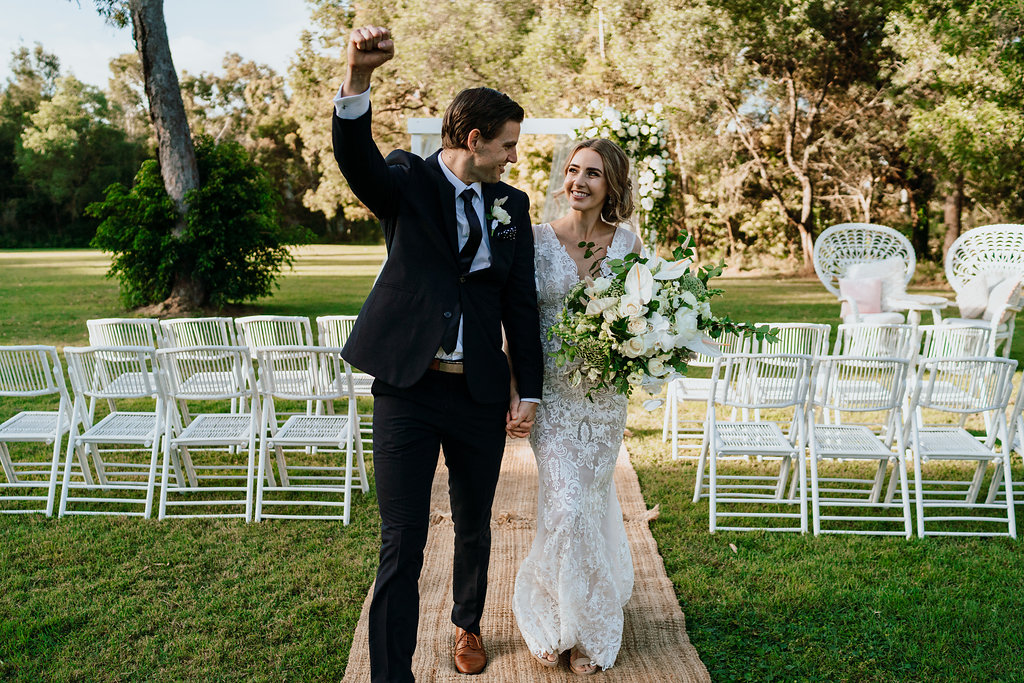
(618, 205)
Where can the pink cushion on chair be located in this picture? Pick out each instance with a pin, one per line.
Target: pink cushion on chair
(867, 292)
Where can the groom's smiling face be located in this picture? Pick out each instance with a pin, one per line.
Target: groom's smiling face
(490, 156)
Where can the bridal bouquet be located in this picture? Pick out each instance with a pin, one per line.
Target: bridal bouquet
(642, 325)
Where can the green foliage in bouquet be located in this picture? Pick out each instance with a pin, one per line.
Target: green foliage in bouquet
(641, 325)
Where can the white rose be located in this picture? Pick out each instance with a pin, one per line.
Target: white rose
(630, 306)
(645, 129)
(635, 379)
(647, 203)
(636, 325)
(616, 125)
(633, 130)
(634, 347)
(592, 132)
(657, 367)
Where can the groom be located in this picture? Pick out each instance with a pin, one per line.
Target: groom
(459, 268)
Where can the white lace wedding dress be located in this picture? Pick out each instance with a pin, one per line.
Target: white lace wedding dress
(572, 587)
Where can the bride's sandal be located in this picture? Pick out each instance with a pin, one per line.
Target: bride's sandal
(581, 664)
(544, 660)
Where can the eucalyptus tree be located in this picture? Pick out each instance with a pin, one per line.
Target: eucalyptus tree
(962, 64)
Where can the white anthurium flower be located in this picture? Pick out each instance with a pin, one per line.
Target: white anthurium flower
(705, 345)
(652, 404)
(596, 306)
(634, 347)
(601, 284)
(640, 282)
(630, 305)
(673, 270)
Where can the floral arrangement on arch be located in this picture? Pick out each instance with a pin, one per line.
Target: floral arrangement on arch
(644, 137)
(640, 326)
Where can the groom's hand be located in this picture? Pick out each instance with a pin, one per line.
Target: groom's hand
(368, 48)
(520, 418)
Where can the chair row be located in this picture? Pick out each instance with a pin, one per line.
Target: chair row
(802, 400)
(886, 340)
(214, 461)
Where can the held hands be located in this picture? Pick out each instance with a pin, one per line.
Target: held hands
(520, 416)
(368, 48)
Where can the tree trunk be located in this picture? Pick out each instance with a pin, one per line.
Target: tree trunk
(175, 152)
(806, 225)
(952, 210)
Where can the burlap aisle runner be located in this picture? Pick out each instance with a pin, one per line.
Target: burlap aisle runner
(655, 647)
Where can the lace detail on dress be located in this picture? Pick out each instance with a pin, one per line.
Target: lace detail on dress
(571, 588)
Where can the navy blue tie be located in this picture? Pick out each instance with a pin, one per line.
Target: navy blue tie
(466, 256)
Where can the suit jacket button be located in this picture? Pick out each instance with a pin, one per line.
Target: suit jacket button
(462, 278)
(447, 314)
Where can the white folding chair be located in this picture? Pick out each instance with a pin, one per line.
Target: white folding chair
(756, 382)
(210, 375)
(35, 373)
(180, 332)
(333, 330)
(297, 373)
(688, 434)
(114, 373)
(982, 384)
(123, 332)
(863, 385)
(877, 340)
(804, 339)
(260, 331)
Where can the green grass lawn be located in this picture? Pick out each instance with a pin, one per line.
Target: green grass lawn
(90, 599)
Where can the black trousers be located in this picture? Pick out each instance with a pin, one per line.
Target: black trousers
(410, 425)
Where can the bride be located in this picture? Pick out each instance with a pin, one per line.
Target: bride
(571, 589)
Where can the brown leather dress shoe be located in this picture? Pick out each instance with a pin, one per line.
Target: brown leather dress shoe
(470, 657)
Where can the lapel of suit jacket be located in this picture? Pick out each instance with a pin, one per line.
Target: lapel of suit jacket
(446, 196)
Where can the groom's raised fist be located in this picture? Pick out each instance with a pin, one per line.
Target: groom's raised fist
(369, 47)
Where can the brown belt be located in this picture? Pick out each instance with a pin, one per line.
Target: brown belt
(450, 366)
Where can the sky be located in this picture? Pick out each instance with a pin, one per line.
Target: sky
(200, 31)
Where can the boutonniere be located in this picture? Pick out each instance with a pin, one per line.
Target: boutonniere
(498, 216)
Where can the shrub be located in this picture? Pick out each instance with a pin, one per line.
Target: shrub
(233, 245)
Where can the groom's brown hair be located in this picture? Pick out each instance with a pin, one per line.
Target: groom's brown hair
(485, 109)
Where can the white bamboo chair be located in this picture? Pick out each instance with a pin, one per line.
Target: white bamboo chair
(841, 246)
(865, 386)
(751, 382)
(35, 373)
(123, 332)
(215, 331)
(688, 434)
(297, 373)
(209, 375)
(263, 331)
(877, 340)
(333, 330)
(179, 332)
(984, 385)
(114, 373)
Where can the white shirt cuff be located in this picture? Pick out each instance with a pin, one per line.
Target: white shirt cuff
(529, 400)
(351, 106)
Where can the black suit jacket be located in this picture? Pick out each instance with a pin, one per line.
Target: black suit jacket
(400, 326)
